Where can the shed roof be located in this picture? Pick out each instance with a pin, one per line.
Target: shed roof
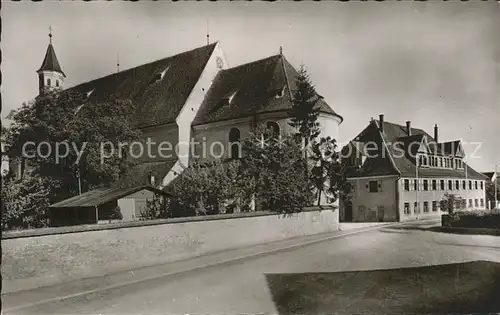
(101, 196)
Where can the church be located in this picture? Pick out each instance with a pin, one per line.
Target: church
(195, 96)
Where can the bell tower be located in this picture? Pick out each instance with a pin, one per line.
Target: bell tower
(50, 74)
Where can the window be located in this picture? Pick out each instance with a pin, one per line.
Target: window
(407, 208)
(440, 162)
(451, 163)
(470, 185)
(373, 186)
(482, 202)
(407, 184)
(415, 184)
(482, 185)
(48, 82)
(442, 184)
(426, 184)
(234, 143)
(475, 184)
(57, 82)
(450, 184)
(434, 184)
(476, 203)
(464, 185)
(415, 207)
(434, 206)
(274, 128)
(470, 203)
(426, 206)
(457, 185)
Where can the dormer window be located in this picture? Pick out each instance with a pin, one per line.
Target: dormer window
(227, 99)
(280, 92)
(159, 76)
(90, 93)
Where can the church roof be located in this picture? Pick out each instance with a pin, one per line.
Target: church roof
(50, 62)
(253, 88)
(159, 89)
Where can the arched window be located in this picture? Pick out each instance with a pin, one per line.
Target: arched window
(234, 143)
(274, 128)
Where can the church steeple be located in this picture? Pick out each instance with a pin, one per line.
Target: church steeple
(50, 74)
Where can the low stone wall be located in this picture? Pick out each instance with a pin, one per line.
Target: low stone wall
(65, 254)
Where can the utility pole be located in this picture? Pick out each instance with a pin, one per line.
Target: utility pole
(495, 187)
(417, 184)
(79, 179)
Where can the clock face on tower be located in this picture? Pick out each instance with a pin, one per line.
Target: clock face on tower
(219, 62)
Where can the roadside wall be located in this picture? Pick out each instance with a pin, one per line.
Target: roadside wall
(36, 261)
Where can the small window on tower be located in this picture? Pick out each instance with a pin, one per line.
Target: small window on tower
(57, 82)
(48, 82)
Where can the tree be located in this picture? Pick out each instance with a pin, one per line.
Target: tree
(202, 188)
(304, 113)
(328, 174)
(68, 122)
(276, 172)
(451, 203)
(25, 202)
(490, 192)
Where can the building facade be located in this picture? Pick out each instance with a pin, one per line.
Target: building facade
(400, 173)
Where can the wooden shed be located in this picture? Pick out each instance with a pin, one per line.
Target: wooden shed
(103, 204)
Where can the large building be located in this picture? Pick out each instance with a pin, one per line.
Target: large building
(400, 173)
(195, 95)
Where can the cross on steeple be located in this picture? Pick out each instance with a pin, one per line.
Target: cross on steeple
(50, 34)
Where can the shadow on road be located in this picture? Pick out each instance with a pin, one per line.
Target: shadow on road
(470, 287)
(437, 228)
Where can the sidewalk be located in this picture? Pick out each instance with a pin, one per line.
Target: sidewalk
(16, 300)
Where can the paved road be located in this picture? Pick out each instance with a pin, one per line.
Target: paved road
(241, 287)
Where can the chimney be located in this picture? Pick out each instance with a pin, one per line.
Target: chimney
(408, 127)
(436, 133)
(381, 120)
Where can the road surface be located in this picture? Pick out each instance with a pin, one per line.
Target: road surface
(241, 287)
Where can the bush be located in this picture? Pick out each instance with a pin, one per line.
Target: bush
(25, 202)
(157, 208)
(477, 219)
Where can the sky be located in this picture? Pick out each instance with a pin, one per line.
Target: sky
(428, 62)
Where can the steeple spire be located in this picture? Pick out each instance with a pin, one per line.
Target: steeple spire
(50, 62)
(50, 74)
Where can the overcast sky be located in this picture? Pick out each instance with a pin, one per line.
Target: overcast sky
(430, 63)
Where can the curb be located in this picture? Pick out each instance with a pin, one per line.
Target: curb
(172, 273)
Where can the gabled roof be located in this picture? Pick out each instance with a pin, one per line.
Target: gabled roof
(101, 196)
(394, 138)
(159, 95)
(257, 86)
(50, 62)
